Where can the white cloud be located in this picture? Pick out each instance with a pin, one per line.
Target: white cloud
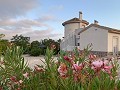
(36, 29)
(14, 8)
(27, 27)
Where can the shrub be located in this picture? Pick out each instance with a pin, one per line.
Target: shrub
(35, 52)
(72, 71)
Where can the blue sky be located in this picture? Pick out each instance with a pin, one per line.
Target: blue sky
(41, 19)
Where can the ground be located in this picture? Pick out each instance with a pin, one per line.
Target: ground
(32, 61)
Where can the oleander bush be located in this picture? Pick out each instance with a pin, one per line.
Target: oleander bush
(72, 71)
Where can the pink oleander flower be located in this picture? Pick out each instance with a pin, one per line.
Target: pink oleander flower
(68, 59)
(101, 65)
(107, 69)
(53, 46)
(77, 66)
(38, 69)
(20, 81)
(13, 79)
(92, 57)
(18, 89)
(1, 88)
(62, 70)
(1, 62)
(97, 64)
(26, 75)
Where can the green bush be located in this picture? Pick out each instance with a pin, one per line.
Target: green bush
(35, 52)
(72, 71)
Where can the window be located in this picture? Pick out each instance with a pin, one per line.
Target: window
(78, 44)
(83, 26)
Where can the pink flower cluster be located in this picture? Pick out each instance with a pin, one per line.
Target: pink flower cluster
(70, 60)
(99, 65)
(77, 67)
(63, 70)
(15, 81)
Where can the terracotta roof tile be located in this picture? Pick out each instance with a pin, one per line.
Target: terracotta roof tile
(75, 20)
(110, 30)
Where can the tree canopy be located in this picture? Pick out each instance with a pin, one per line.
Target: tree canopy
(20, 40)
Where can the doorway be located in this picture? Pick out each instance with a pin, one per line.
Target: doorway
(115, 45)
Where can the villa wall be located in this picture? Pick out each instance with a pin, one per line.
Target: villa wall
(69, 28)
(97, 36)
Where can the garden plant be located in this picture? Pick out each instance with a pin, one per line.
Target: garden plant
(77, 70)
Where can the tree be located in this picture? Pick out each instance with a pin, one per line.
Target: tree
(1, 36)
(35, 48)
(22, 41)
(35, 44)
(49, 42)
(3, 44)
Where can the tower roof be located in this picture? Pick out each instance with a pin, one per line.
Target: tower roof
(75, 20)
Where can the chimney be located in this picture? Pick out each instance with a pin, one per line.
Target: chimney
(80, 16)
(95, 22)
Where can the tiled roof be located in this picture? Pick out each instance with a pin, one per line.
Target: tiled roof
(110, 30)
(75, 20)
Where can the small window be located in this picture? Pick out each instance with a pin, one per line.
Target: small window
(83, 26)
(78, 44)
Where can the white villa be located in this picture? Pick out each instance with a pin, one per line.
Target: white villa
(78, 33)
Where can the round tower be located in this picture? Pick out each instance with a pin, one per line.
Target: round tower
(75, 23)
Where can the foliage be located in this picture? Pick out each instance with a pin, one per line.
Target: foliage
(35, 49)
(38, 48)
(1, 36)
(35, 52)
(3, 44)
(12, 68)
(48, 43)
(20, 40)
(72, 71)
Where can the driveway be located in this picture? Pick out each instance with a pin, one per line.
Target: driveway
(32, 61)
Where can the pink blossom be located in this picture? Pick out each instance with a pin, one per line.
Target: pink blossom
(62, 69)
(20, 81)
(92, 57)
(77, 66)
(1, 88)
(107, 69)
(26, 75)
(101, 65)
(97, 64)
(53, 46)
(18, 89)
(13, 79)
(77, 70)
(1, 62)
(68, 59)
(38, 69)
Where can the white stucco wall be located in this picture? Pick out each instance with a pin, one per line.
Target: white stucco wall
(97, 36)
(69, 28)
(110, 41)
(68, 43)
